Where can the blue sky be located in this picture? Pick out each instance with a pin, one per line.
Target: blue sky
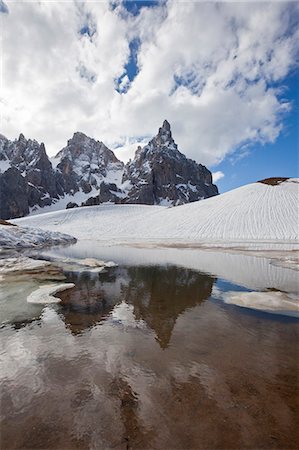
(224, 75)
(278, 159)
(134, 7)
(260, 161)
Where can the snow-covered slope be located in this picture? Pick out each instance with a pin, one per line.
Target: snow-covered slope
(255, 212)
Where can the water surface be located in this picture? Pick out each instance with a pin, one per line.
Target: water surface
(147, 355)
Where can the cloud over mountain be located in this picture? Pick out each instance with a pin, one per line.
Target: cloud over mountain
(215, 70)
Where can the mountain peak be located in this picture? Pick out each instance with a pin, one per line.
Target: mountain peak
(166, 125)
(78, 136)
(164, 136)
(161, 174)
(165, 130)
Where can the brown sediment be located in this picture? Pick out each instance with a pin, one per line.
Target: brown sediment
(274, 181)
(5, 222)
(173, 370)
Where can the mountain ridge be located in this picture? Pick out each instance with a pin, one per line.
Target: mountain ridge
(86, 172)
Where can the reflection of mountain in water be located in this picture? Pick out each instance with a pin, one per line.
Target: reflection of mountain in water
(133, 428)
(91, 301)
(160, 294)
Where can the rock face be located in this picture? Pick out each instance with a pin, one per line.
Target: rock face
(13, 194)
(26, 177)
(29, 180)
(85, 163)
(161, 174)
(86, 172)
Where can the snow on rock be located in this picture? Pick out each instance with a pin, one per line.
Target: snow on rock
(24, 267)
(265, 301)
(156, 168)
(86, 172)
(23, 237)
(61, 203)
(45, 294)
(91, 265)
(252, 213)
(93, 262)
(12, 265)
(4, 165)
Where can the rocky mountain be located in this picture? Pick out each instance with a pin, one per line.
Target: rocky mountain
(30, 181)
(161, 174)
(85, 163)
(27, 178)
(86, 172)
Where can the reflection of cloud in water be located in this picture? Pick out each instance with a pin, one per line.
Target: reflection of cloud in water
(91, 301)
(252, 272)
(224, 377)
(155, 296)
(137, 356)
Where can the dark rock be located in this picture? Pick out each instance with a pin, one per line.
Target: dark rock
(85, 163)
(13, 194)
(4, 222)
(92, 201)
(108, 192)
(161, 174)
(71, 205)
(30, 160)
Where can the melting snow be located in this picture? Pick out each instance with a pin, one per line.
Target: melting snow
(23, 237)
(44, 294)
(274, 301)
(242, 217)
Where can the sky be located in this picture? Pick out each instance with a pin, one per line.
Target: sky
(225, 75)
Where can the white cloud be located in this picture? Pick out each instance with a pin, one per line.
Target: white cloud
(206, 67)
(217, 176)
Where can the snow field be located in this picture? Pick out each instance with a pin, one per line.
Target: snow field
(252, 213)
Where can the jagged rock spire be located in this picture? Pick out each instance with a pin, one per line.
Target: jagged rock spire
(161, 174)
(164, 136)
(166, 125)
(165, 129)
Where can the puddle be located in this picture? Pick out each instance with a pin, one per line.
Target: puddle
(147, 356)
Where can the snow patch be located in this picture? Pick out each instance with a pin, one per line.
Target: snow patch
(23, 267)
(4, 165)
(60, 204)
(274, 301)
(45, 294)
(23, 237)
